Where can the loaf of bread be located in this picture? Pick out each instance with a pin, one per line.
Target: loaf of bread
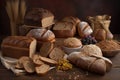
(39, 17)
(72, 44)
(84, 29)
(95, 64)
(18, 46)
(24, 29)
(72, 19)
(64, 29)
(41, 35)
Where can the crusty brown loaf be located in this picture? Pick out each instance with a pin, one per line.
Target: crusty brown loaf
(64, 29)
(24, 29)
(39, 17)
(17, 46)
(72, 19)
(42, 35)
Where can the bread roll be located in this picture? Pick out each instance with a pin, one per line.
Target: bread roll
(99, 34)
(39, 17)
(18, 46)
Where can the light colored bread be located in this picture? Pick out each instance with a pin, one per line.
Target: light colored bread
(72, 42)
(48, 60)
(57, 54)
(42, 35)
(43, 69)
(19, 64)
(46, 48)
(37, 61)
(91, 50)
(39, 17)
(64, 29)
(18, 46)
(84, 29)
(29, 66)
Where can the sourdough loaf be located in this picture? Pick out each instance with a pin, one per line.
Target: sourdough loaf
(64, 29)
(39, 17)
(41, 35)
(18, 46)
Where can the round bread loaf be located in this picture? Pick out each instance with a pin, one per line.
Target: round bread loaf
(72, 42)
(42, 35)
(91, 50)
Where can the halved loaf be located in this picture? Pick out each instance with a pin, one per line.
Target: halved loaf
(64, 29)
(18, 46)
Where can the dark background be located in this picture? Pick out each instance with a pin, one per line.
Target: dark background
(63, 8)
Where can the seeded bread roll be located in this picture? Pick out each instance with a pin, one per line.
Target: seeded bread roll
(18, 46)
(64, 29)
(39, 17)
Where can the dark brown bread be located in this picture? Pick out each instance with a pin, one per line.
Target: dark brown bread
(18, 46)
(39, 17)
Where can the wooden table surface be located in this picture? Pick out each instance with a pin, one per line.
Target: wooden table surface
(74, 74)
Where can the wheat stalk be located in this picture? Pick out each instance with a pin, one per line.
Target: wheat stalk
(22, 10)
